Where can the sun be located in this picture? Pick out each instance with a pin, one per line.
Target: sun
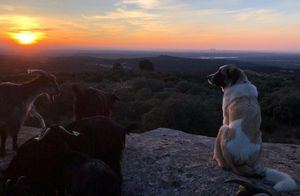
(27, 37)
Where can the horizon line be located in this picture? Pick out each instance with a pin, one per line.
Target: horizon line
(116, 49)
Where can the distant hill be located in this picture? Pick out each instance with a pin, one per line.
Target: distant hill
(193, 65)
(163, 63)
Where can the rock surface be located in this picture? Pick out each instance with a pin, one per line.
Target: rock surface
(24, 134)
(169, 162)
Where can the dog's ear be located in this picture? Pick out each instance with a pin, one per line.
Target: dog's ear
(234, 74)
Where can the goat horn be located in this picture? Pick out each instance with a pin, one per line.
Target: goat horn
(73, 133)
(39, 71)
(8, 183)
(20, 180)
(43, 134)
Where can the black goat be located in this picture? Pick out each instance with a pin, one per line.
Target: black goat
(51, 168)
(101, 138)
(89, 177)
(41, 160)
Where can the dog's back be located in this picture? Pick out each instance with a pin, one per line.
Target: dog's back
(239, 143)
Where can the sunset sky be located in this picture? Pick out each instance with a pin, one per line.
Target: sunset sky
(272, 25)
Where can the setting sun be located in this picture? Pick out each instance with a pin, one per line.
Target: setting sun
(26, 38)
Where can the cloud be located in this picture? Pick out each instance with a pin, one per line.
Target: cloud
(142, 15)
(154, 4)
(21, 23)
(15, 30)
(12, 25)
(142, 22)
(121, 13)
(130, 19)
(146, 4)
(258, 15)
(7, 8)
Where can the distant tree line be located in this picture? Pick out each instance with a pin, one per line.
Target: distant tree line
(179, 100)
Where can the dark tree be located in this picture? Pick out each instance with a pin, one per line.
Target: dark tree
(118, 69)
(146, 65)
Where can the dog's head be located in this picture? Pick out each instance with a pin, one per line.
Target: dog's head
(226, 76)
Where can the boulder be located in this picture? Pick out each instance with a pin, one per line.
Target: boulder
(170, 162)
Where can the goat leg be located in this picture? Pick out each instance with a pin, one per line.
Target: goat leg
(15, 142)
(34, 113)
(3, 142)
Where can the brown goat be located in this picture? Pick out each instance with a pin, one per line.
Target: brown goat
(16, 102)
(92, 102)
(33, 113)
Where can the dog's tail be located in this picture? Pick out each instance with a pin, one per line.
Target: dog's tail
(282, 181)
(247, 188)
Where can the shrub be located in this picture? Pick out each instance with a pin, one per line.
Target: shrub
(146, 65)
(144, 93)
(154, 84)
(183, 86)
(152, 120)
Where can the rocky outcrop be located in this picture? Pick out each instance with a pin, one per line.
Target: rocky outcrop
(170, 162)
(24, 134)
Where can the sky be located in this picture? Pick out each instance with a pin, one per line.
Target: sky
(272, 25)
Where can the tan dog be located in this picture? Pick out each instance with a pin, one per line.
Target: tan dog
(239, 143)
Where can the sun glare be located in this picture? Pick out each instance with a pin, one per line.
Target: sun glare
(26, 38)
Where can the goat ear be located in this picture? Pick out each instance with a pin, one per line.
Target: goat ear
(114, 98)
(77, 90)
